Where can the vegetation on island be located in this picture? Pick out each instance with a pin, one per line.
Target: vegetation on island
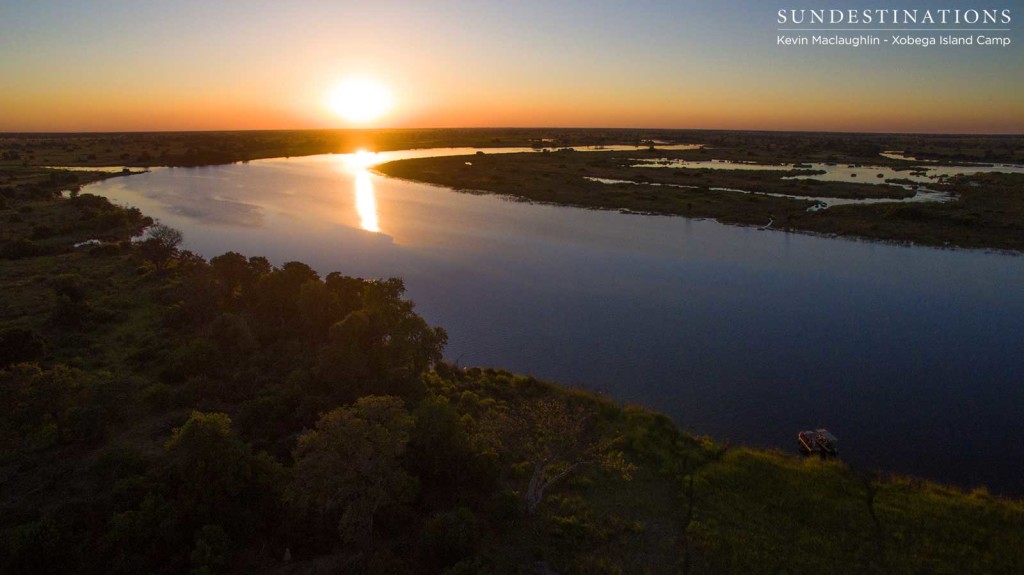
(987, 213)
(142, 149)
(161, 413)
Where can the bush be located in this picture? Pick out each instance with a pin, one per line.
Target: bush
(194, 358)
(37, 547)
(212, 550)
(69, 286)
(450, 536)
(21, 248)
(41, 232)
(85, 424)
(70, 313)
(471, 566)
(20, 345)
(105, 250)
(157, 397)
(217, 479)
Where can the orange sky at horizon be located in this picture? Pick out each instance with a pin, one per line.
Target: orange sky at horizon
(235, 67)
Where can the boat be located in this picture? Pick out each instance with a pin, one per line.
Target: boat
(818, 441)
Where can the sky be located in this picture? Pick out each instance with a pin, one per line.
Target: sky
(115, 65)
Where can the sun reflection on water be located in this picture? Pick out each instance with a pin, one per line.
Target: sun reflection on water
(366, 202)
(360, 160)
(357, 165)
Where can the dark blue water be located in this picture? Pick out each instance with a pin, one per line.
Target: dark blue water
(913, 357)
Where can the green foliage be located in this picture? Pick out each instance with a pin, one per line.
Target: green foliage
(144, 539)
(762, 512)
(349, 466)
(72, 307)
(69, 286)
(935, 528)
(471, 566)
(557, 436)
(21, 248)
(198, 357)
(40, 407)
(450, 536)
(233, 338)
(157, 397)
(20, 345)
(161, 244)
(441, 456)
(37, 547)
(654, 440)
(383, 347)
(212, 551)
(217, 479)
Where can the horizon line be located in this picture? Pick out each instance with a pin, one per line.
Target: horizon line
(395, 129)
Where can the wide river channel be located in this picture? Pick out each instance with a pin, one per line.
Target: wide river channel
(913, 357)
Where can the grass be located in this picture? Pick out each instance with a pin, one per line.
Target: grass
(694, 506)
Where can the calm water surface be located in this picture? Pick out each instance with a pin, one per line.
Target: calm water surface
(911, 356)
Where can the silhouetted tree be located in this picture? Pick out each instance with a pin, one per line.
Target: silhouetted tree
(161, 244)
(383, 347)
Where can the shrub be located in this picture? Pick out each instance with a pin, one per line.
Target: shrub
(104, 250)
(157, 397)
(41, 232)
(84, 424)
(69, 286)
(19, 345)
(450, 536)
(21, 248)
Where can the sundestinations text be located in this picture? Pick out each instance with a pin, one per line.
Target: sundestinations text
(894, 16)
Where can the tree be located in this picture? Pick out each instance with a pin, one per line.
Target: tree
(557, 438)
(20, 344)
(217, 478)
(161, 244)
(350, 464)
(383, 346)
(232, 273)
(441, 456)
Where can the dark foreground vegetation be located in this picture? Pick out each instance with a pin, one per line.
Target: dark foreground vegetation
(160, 413)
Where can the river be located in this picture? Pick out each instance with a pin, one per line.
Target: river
(912, 356)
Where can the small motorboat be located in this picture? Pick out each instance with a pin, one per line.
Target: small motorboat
(819, 441)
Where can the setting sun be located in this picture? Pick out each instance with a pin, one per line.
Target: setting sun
(360, 100)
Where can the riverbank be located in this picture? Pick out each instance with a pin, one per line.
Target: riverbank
(106, 463)
(986, 213)
(148, 149)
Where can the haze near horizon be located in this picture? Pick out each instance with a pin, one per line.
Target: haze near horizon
(125, 66)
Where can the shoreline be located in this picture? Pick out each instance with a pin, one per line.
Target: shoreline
(926, 224)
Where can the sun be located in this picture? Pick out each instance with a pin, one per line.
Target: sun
(360, 100)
